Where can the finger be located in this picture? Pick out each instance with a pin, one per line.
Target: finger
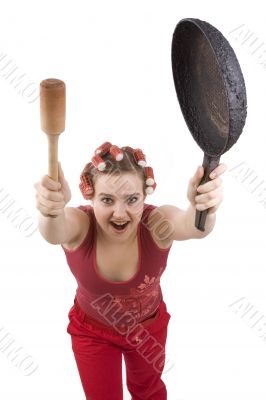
(210, 185)
(50, 205)
(209, 204)
(50, 194)
(209, 196)
(60, 170)
(197, 176)
(61, 175)
(218, 171)
(47, 211)
(49, 183)
(212, 210)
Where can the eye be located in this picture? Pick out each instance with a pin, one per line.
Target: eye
(134, 197)
(106, 198)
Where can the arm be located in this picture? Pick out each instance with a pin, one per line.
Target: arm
(190, 223)
(181, 223)
(69, 225)
(67, 228)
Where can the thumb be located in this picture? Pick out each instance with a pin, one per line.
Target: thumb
(61, 175)
(59, 165)
(195, 180)
(60, 170)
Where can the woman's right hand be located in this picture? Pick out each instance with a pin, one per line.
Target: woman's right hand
(52, 196)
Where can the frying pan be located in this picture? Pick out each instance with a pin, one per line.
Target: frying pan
(211, 92)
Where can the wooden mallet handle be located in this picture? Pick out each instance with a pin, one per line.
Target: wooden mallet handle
(53, 111)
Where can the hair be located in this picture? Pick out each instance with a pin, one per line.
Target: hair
(116, 168)
(133, 161)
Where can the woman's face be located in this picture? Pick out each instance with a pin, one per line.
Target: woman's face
(118, 199)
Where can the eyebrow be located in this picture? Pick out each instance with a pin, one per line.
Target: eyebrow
(127, 195)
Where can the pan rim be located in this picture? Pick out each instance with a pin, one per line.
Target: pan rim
(235, 106)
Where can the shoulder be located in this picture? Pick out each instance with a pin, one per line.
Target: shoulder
(80, 221)
(172, 223)
(158, 225)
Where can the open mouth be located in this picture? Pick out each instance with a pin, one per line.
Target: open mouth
(119, 227)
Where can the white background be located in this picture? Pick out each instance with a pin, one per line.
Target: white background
(114, 57)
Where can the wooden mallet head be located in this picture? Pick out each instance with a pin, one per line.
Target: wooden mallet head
(53, 111)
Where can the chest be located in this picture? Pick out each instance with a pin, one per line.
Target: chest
(116, 263)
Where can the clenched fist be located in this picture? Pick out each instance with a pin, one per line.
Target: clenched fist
(51, 196)
(208, 195)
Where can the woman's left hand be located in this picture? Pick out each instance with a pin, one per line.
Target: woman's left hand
(208, 195)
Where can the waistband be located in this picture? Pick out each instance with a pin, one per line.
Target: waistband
(86, 318)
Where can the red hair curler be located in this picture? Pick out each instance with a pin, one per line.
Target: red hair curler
(149, 176)
(103, 149)
(86, 186)
(150, 189)
(116, 153)
(140, 157)
(98, 163)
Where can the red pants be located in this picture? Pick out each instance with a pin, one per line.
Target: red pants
(98, 354)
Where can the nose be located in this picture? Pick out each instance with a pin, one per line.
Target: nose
(120, 211)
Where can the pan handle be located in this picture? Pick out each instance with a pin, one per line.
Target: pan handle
(209, 164)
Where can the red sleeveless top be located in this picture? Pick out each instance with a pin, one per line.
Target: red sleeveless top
(112, 302)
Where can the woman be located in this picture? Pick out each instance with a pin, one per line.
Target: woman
(117, 249)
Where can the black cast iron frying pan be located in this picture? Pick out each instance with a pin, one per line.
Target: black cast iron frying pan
(211, 91)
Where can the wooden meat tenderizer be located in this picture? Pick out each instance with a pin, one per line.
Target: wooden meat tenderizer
(53, 110)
